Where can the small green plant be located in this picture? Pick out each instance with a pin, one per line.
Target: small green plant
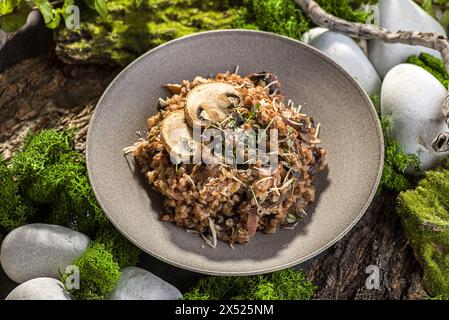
(99, 273)
(280, 16)
(345, 9)
(287, 284)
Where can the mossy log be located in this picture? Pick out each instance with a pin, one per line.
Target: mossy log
(425, 216)
(131, 30)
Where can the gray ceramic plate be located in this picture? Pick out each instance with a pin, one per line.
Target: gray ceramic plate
(350, 132)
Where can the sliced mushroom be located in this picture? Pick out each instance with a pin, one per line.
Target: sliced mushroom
(177, 137)
(211, 102)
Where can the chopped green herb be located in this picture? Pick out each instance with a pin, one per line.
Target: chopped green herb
(291, 218)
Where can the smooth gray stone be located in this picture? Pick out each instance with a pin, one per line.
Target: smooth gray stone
(347, 53)
(31, 40)
(403, 15)
(312, 34)
(6, 284)
(40, 250)
(39, 289)
(411, 98)
(139, 284)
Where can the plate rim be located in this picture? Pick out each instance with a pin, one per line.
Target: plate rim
(256, 271)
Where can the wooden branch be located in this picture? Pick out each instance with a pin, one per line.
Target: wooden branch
(368, 31)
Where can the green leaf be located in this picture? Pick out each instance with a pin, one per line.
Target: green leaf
(56, 20)
(13, 14)
(138, 2)
(51, 15)
(102, 8)
(445, 19)
(90, 4)
(7, 7)
(63, 9)
(291, 218)
(46, 10)
(13, 21)
(428, 6)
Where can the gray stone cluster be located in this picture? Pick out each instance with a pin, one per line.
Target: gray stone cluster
(410, 96)
(35, 255)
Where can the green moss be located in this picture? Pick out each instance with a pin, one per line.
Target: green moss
(287, 284)
(345, 9)
(99, 273)
(425, 215)
(38, 152)
(396, 162)
(124, 252)
(53, 178)
(130, 31)
(433, 65)
(280, 16)
(14, 212)
(50, 173)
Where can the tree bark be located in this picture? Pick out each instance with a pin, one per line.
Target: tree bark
(42, 93)
(369, 31)
(378, 240)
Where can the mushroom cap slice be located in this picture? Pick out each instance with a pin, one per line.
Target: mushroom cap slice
(177, 137)
(211, 102)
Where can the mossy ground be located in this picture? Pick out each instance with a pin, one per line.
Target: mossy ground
(131, 29)
(287, 284)
(424, 212)
(47, 181)
(433, 65)
(99, 273)
(13, 210)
